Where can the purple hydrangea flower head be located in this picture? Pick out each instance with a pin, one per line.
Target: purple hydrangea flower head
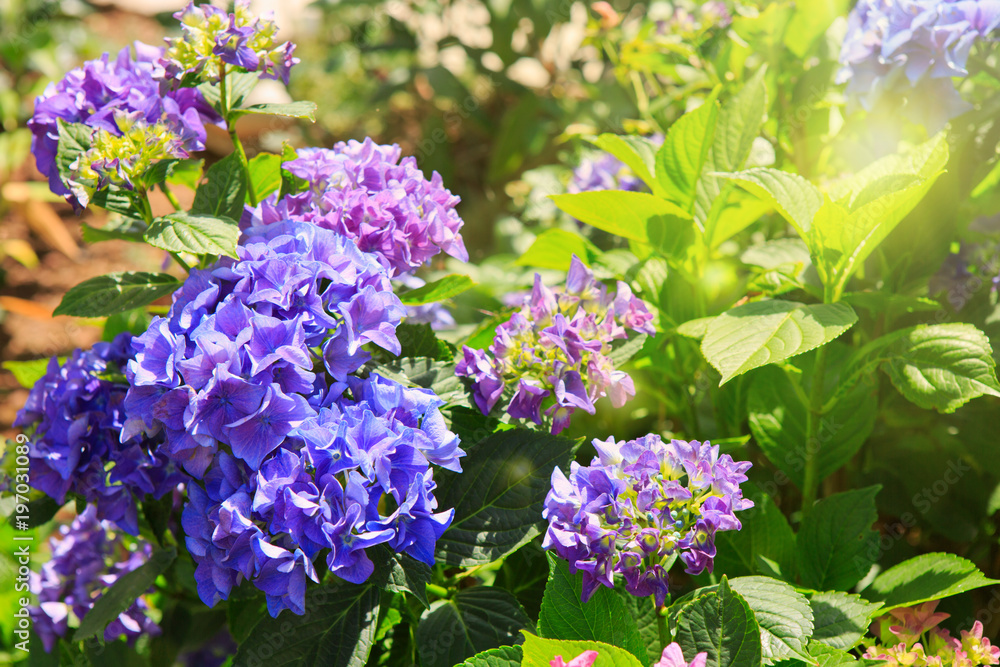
(213, 40)
(553, 352)
(368, 193)
(74, 416)
(99, 94)
(355, 474)
(235, 361)
(912, 48)
(638, 504)
(88, 556)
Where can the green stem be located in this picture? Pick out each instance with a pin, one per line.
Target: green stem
(224, 102)
(170, 196)
(810, 483)
(177, 258)
(439, 591)
(661, 623)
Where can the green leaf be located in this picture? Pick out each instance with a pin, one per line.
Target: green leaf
(74, 140)
(40, 512)
(194, 233)
(827, 656)
(265, 174)
(738, 124)
(633, 215)
(765, 533)
(337, 630)
(840, 619)
(638, 154)
(766, 332)
(118, 228)
(115, 293)
(243, 615)
(695, 328)
(837, 545)
(474, 620)
(400, 573)
(503, 656)
(297, 109)
(680, 160)
(158, 172)
(498, 498)
(123, 593)
(539, 652)
(645, 617)
(116, 200)
(778, 423)
(604, 617)
(224, 190)
(783, 614)
(927, 577)
(796, 199)
(721, 624)
(27, 373)
(942, 366)
(554, 249)
(438, 376)
(439, 290)
(419, 340)
(240, 85)
(777, 253)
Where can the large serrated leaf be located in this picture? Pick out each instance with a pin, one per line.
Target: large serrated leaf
(337, 630)
(439, 290)
(680, 160)
(498, 498)
(836, 542)
(116, 293)
(645, 616)
(766, 332)
(783, 614)
(74, 140)
(722, 625)
(778, 422)
(795, 198)
(27, 373)
(400, 573)
(504, 656)
(194, 233)
(539, 652)
(298, 109)
(928, 577)
(942, 366)
(632, 215)
(224, 190)
(474, 620)
(604, 617)
(123, 593)
(840, 619)
(765, 533)
(554, 249)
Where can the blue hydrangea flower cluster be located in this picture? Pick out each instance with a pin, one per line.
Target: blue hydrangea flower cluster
(100, 91)
(355, 474)
(74, 416)
(88, 557)
(553, 352)
(212, 39)
(637, 505)
(912, 48)
(235, 360)
(246, 378)
(365, 192)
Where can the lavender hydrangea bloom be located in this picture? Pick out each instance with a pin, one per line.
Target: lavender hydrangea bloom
(636, 505)
(87, 558)
(75, 418)
(913, 48)
(213, 39)
(367, 193)
(553, 352)
(235, 361)
(327, 489)
(94, 93)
